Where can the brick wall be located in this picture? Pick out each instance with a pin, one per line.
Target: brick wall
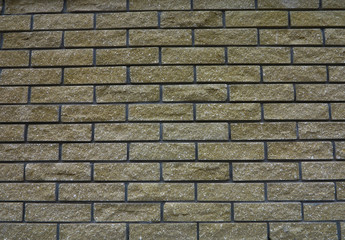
(161, 119)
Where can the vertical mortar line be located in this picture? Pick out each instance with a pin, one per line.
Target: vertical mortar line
(320, 4)
(223, 19)
(334, 151)
(297, 130)
(232, 212)
(289, 19)
(23, 213)
(57, 189)
(1, 40)
(268, 231)
(191, 5)
(335, 191)
(226, 56)
(265, 192)
(231, 177)
(64, 8)
(338, 230)
(159, 18)
(127, 231)
(302, 211)
(57, 231)
(162, 212)
(327, 74)
(3, 7)
(229, 131)
(127, 5)
(256, 4)
(197, 231)
(193, 37)
(93, 212)
(323, 37)
(258, 37)
(262, 112)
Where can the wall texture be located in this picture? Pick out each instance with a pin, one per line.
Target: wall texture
(184, 119)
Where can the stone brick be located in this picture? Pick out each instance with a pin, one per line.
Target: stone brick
(92, 192)
(62, 94)
(15, 22)
(267, 211)
(322, 55)
(159, 5)
(62, 57)
(158, 37)
(256, 19)
(340, 150)
(126, 172)
(195, 171)
(225, 36)
(88, 113)
(32, 40)
(57, 212)
(340, 190)
(127, 212)
(14, 58)
(294, 74)
(27, 191)
(336, 73)
(191, 19)
(265, 171)
(25, 113)
(63, 21)
(95, 75)
(127, 56)
(11, 212)
(33, 6)
(322, 130)
(60, 132)
(162, 151)
(324, 211)
(261, 92)
(231, 192)
(318, 18)
(34, 76)
(127, 93)
(290, 37)
(161, 192)
(24, 231)
(95, 38)
(224, 4)
(335, 36)
(127, 20)
(323, 170)
(228, 74)
(58, 172)
(11, 133)
(282, 4)
(326, 92)
(100, 5)
(28, 152)
(200, 212)
(92, 231)
(161, 112)
(11, 172)
(161, 74)
(94, 151)
(200, 55)
(296, 111)
(10, 95)
(259, 55)
(333, 4)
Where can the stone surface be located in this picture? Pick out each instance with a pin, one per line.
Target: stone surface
(191, 19)
(127, 93)
(14, 58)
(225, 36)
(335, 36)
(29, 152)
(256, 19)
(127, 20)
(127, 56)
(62, 57)
(308, 92)
(11, 133)
(93, 113)
(15, 23)
(333, 4)
(159, 5)
(100, 5)
(62, 94)
(26, 113)
(92, 75)
(95, 38)
(336, 73)
(91, 231)
(32, 40)
(25, 231)
(11, 212)
(318, 18)
(33, 76)
(33, 6)
(228, 74)
(27, 192)
(319, 55)
(265, 55)
(294, 74)
(290, 4)
(161, 112)
(261, 92)
(224, 4)
(340, 190)
(290, 37)
(158, 37)
(11, 172)
(321, 130)
(323, 170)
(13, 95)
(202, 55)
(324, 211)
(161, 74)
(340, 150)
(63, 21)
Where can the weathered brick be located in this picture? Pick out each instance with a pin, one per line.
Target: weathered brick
(335, 4)
(126, 56)
(324, 211)
(159, 5)
(24, 113)
(256, 19)
(261, 92)
(88, 113)
(294, 74)
(27, 191)
(161, 112)
(259, 55)
(30, 76)
(33, 6)
(340, 150)
(161, 74)
(282, 4)
(321, 130)
(62, 57)
(191, 19)
(193, 55)
(224, 4)
(290, 37)
(63, 21)
(336, 74)
(11, 212)
(127, 20)
(24, 231)
(95, 38)
(321, 55)
(14, 58)
(326, 92)
(100, 5)
(92, 231)
(225, 36)
(317, 18)
(62, 94)
(323, 170)
(28, 152)
(11, 133)
(340, 190)
(93, 75)
(15, 22)
(159, 37)
(11, 172)
(32, 40)
(228, 74)
(13, 95)
(335, 36)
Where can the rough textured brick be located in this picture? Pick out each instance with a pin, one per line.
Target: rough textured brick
(11, 172)
(191, 19)
(224, 4)
(340, 190)
(333, 4)
(256, 19)
(261, 92)
(290, 37)
(88, 113)
(159, 5)
(193, 55)
(11, 133)
(27, 191)
(126, 56)
(225, 36)
(62, 94)
(32, 40)
(13, 95)
(24, 113)
(63, 21)
(100, 5)
(24, 231)
(161, 74)
(14, 58)
(28, 152)
(62, 57)
(15, 23)
(322, 170)
(294, 74)
(30, 76)
(127, 93)
(33, 6)
(265, 55)
(335, 36)
(324, 211)
(92, 231)
(228, 74)
(11, 212)
(158, 37)
(319, 55)
(340, 150)
(95, 38)
(325, 130)
(161, 112)
(327, 92)
(127, 20)
(318, 19)
(282, 4)
(336, 74)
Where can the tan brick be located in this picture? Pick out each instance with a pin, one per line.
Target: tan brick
(261, 92)
(95, 38)
(231, 151)
(161, 112)
(11, 172)
(58, 172)
(300, 191)
(191, 19)
(100, 5)
(200, 212)
(33, 6)
(92, 192)
(127, 212)
(296, 111)
(228, 73)
(228, 111)
(195, 131)
(336, 74)
(340, 190)
(94, 151)
(163, 231)
(57, 212)
(63, 21)
(14, 58)
(159, 5)
(294, 74)
(28, 152)
(158, 37)
(224, 4)
(324, 211)
(62, 94)
(162, 151)
(126, 172)
(11, 212)
(231, 192)
(32, 40)
(225, 36)
(161, 192)
(290, 37)
(62, 57)
(11, 133)
(321, 130)
(127, 56)
(335, 36)
(24, 113)
(30, 76)
(317, 18)
(327, 92)
(321, 55)
(27, 191)
(88, 113)
(92, 231)
(333, 4)
(259, 55)
(95, 75)
(60, 132)
(340, 150)
(193, 55)
(13, 95)
(15, 22)
(161, 74)
(323, 170)
(233, 231)
(256, 19)
(127, 132)
(127, 20)
(300, 150)
(265, 171)
(195, 171)
(24, 231)
(282, 4)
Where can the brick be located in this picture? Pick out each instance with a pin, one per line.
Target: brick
(294, 74)
(195, 131)
(127, 56)
(94, 151)
(161, 192)
(92, 113)
(321, 130)
(300, 150)
(92, 192)
(333, 4)
(14, 58)
(127, 93)
(57, 212)
(163, 231)
(95, 38)
(300, 191)
(231, 192)
(24, 113)
(256, 19)
(63, 21)
(282, 4)
(224, 4)
(27, 191)
(195, 171)
(233, 231)
(11, 212)
(317, 18)
(290, 37)
(263, 131)
(62, 94)
(35, 76)
(265, 171)
(261, 92)
(58, 172)
(324, 211)
(310, 92)
(127, 20)
(193, 55)
(231, 151)
(259, 55)
(100, 5)
(62, 57)
(32, 40)
(225, 36)
(200, 212)
(161, 74)
(191, 19)
(335, 36)
(11, 133)
(296, 111)
(126, 172)
(340, 150)
(195, 93)
(336, 73)
(127, 212)
(159, 5)
(15, 22)
(162, 151)
(28, 152)
(92, 231)
(60, 132)
(320, 55)
(159, 37)
(161, 112)
(23, 231)
(340, 190)
(127, 132)
(11, 172)
(33, 6)
(228, 74)
(10, 95)
(322, 170)
(228, 111)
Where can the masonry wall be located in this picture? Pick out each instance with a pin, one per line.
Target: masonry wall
(184, 119)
